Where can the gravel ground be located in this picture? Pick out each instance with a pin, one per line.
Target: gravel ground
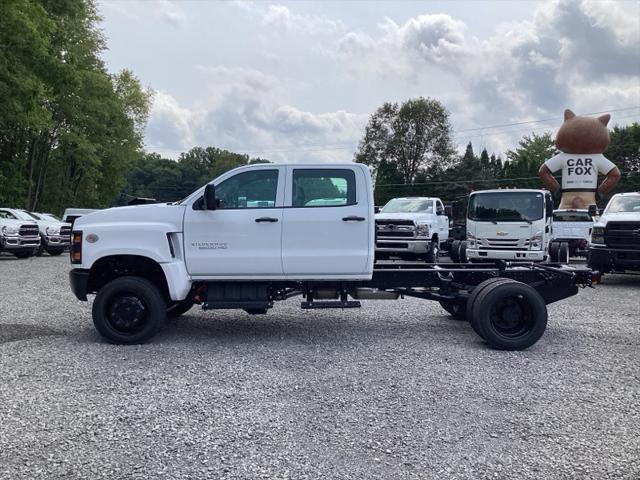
(394, 390)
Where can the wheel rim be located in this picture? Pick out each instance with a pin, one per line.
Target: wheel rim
(127, 313)
(512, 316)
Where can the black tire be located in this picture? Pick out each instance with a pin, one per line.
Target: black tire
(474, 295)
(175, 309)
(23, 254)
(129, 310)
(55, 252)
(462, 252)
(554, 248)
(256, 311)
(510, 315)
(453, 251)
(457, 309)
(432, 254)
(40, 250)
(563, 253)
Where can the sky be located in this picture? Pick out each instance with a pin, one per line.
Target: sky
(297, 81)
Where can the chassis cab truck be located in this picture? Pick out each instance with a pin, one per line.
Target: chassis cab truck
(510, 225)
(263, 233)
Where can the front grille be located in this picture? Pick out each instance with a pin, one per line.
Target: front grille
(29, 231)
(394, 222)
(622, 235)
(65, 230)
(394, 233)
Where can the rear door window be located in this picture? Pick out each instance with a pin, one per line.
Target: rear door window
(319, 187)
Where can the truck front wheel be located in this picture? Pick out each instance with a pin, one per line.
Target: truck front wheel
(129, 310)
(432, 254)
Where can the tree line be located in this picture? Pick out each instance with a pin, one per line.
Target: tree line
(71, 133)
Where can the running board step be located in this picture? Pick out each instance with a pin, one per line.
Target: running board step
(335, 304)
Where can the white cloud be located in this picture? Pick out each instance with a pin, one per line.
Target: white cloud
(171, 13)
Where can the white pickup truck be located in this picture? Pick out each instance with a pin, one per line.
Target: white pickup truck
(18, 236)
(615, 237)
(411, 227)
(573, 227)
(54, 234)
(263, 233)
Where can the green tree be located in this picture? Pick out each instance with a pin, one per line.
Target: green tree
(412, 137)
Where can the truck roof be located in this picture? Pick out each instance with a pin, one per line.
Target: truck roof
(509, 190)
(627, 194)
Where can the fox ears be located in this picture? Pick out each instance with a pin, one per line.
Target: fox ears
(604, 119)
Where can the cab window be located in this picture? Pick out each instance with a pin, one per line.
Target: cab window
(7, 215)
(323, 187)
(254, 189)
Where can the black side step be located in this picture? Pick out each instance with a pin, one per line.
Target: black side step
(330, 304)
(244, 304)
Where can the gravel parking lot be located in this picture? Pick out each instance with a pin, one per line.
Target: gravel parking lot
(394, 390)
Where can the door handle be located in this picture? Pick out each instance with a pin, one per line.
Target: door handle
(353, 219)
(266, 220)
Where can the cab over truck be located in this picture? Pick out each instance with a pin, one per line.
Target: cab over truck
(263, 233)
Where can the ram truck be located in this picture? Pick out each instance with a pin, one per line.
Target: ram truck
(615, 237)
(19, 237)
(265, 233)
(54, 234)
(411, 227)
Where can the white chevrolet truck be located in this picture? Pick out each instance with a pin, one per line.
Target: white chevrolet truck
(509, 224)
(411, 227)
(263, 233)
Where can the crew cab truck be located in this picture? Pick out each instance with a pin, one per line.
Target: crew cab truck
(411, 227)
(615, 237)
(263, 233)
(54, 234)
(571, 226)
(17, 236)
(510, 224)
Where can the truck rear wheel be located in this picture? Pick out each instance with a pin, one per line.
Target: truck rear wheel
(453, 251)
(511, 315)
(129, 310)
(563, 253)
(554, 248)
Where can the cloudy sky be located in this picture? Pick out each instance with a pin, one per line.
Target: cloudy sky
(297, 81)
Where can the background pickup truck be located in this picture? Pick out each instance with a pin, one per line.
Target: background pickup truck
(19, 237)
(411, 227)
(263, 233)
(573, 227)
(615, 237)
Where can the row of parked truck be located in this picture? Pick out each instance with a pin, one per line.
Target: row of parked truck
(24, 233)
(513, 225)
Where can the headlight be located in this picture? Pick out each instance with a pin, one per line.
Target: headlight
(422, 230)
(8, 230)
(52, 230)
(597, 235)
(471, 240)
(536, 241)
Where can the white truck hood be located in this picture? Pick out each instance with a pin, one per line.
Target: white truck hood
(618, 217)
(416, 217)
(167, 214)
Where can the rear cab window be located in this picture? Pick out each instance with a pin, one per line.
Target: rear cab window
(320, 187)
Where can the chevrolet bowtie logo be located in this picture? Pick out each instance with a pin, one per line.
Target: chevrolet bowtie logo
(502, 233)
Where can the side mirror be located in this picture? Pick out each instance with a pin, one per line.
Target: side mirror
(376, 209)
(549, 206)
(593, 210)
(439, 212)
(209, 198)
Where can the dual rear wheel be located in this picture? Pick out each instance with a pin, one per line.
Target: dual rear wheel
(507, 314)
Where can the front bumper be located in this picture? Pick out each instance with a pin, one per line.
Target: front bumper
(608, 259)
(79, 280)
(56, 241)
(411, 246)
(519, 255)
(19, 244)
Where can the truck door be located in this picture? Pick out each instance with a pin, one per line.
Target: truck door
(327, 220)
(243, 236)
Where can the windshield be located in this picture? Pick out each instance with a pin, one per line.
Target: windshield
(32, 215)
(571, 217)
(48, 216)
(408, 205)
(628, 204)
(506, 207)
